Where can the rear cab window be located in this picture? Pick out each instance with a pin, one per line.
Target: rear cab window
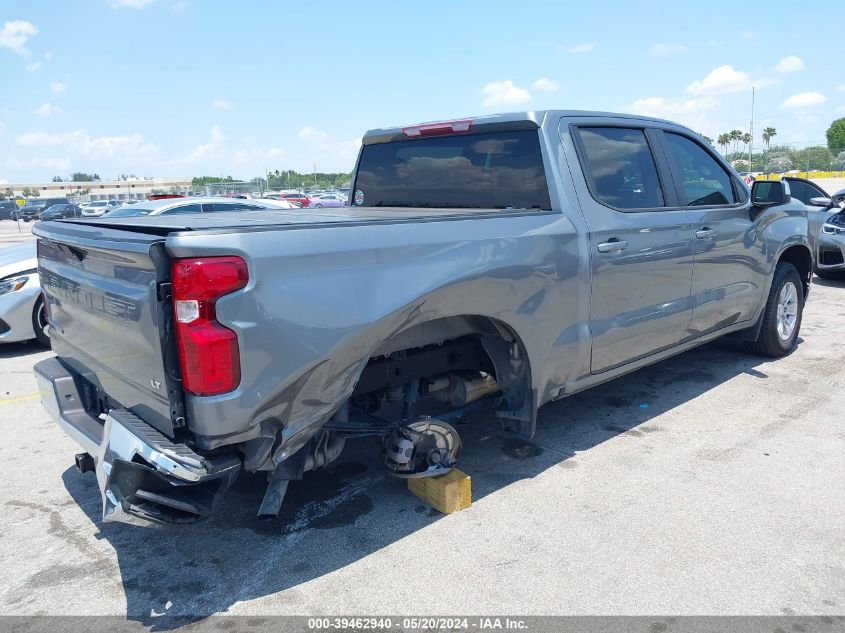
(494, 170)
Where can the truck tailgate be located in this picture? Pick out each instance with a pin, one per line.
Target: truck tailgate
(101, 288)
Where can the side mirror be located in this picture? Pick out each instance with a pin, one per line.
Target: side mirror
(821, 201)
(769, 193)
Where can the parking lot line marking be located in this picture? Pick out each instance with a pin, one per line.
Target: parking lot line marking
(26, 396)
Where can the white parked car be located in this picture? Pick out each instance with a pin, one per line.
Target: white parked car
(22, 315)
(98, 208)
(173, 206)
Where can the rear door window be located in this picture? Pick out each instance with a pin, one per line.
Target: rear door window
(620, 167)
(495, 170)
(702, 180)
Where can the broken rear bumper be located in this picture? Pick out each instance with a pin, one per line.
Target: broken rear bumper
(144, 477)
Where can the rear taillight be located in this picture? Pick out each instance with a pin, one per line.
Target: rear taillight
(436, 129)
(208, 352)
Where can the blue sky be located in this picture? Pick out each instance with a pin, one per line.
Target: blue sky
(191, 87)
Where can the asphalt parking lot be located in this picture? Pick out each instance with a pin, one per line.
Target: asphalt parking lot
(711, 483)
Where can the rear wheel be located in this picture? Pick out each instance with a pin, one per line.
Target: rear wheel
(782, 314)
(39, 322)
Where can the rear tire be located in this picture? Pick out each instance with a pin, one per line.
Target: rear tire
(39, 323)
(782, 314)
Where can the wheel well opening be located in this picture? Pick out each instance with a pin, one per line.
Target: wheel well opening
(449, 350)
(802, 259)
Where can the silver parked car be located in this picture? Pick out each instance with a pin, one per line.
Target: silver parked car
(22, 315)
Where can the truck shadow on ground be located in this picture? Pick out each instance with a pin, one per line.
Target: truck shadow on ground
(16, 350)
(830, 283)
(339, 515)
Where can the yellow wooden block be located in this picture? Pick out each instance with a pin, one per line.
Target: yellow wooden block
(448, 493)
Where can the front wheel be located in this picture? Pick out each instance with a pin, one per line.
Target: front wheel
(782, 314)
(39, 322)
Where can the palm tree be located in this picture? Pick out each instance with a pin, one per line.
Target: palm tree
(723, 141)
(768, 134)
(706, 138)
(736, 137)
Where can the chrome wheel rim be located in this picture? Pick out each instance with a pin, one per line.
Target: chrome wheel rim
(787, 311)
(42, 320)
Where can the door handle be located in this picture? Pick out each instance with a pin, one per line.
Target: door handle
(705, 234)
(612, 246)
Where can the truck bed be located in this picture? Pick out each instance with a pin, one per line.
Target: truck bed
(279, 219)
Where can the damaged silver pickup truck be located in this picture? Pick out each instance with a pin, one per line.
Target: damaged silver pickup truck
(494, 263)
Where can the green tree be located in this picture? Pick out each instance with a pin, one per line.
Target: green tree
(30, 193)
(201, 181)
(706, 138)
(816, 157)
(79, 176)
(781, 163)
(58, 179)
(839, 161)
(723, 141)
(836, 135)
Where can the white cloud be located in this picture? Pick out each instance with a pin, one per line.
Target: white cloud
(587, 47)
(58, 86)
(47, 109)
(665, 50)
(310, 133)
(33, 66)
(544, 84)
(840, 88)
(48, 56)
(59, 164)
(747, 35)
(660, 107)
(179, 7)
(132, 4)
(790, 64)
(15, 35)
(82, 142)
(839, 108)
(256, 155)
(803, 100)
(46, 139)
(208, 150)
(222, 104)
(503, 93)
(723, 80)
(129, 144)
